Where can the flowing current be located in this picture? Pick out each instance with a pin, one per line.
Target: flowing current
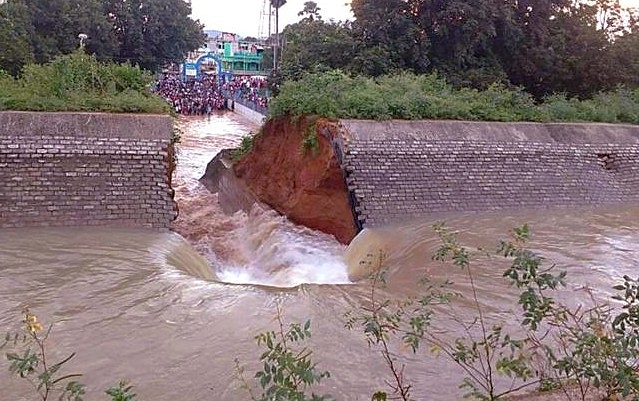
(171, 314)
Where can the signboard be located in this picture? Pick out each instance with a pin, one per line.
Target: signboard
(190, 70)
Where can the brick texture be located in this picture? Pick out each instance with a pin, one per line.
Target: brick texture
(69, 173)
(393, 179)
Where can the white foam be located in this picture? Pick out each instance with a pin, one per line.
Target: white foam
(272, 251)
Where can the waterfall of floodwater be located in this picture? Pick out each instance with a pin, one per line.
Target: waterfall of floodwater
(254, 247)
(171, 312)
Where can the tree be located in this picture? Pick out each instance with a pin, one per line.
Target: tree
(310, 12)
(584, 66)
(57, 24)
(151, 33)
(251, 39)
(15, 32)
(145, 32)
(313, 45)
(545, 46)
(560, 47)
(624, 57)
(462, 35)
(612, 18)
(390, 29)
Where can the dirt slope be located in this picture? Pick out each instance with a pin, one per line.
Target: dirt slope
(304, 183)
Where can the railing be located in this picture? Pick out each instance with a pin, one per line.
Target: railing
(238, 98)
(261, 73)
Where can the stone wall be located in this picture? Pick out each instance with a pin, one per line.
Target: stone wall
(401, 170)
(78, 169)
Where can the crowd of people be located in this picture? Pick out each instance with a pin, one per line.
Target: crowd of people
(204, 95)
(191, 97)
(247, 89)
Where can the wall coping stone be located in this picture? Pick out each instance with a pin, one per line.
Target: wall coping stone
(451, 130)
(89, 124)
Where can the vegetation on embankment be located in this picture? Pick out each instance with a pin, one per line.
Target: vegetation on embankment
(408, 96)
(294, 170)
(79, 82)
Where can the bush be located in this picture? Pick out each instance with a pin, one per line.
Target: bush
(580, 351)
(245, 146)
(408, 96)
(78, 82)
(30, 360)
(288, 371)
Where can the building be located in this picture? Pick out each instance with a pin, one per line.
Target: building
(225, 54)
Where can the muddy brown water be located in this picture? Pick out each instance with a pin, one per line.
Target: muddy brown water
(171, 314)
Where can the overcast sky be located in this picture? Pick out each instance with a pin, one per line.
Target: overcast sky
(243, 16)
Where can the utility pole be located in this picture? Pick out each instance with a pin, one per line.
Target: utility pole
(270, 24)
(277, 36)
(277, 4)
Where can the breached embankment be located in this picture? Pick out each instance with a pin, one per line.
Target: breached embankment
(304, 182)
(337, 176)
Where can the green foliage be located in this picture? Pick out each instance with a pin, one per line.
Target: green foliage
(14, 37)
(545, 47)
(548, 47)
(406, 96)
(618, 106)
(310, 141)
(600, 349)
(384, 321)
(245, 146)
(123, 392)
(153, 33)
(79, 82)
(526, 272)
(559, 348)
(288, 370)
(313, 45)
(30, 361)
(486, 350)
(144, 33)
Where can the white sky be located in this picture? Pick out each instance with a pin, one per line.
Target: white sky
(243, 16)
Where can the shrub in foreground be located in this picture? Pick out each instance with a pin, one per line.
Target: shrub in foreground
(583, 351)
(28, 359)
(592, 348)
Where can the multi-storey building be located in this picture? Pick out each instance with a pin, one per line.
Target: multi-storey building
(225, 54)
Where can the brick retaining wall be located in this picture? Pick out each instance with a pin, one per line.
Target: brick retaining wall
(78, 169)
(402, 170)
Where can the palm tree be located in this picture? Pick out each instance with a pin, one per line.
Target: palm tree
(276, 4)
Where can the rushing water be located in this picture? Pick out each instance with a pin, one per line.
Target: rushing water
(171, 316)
